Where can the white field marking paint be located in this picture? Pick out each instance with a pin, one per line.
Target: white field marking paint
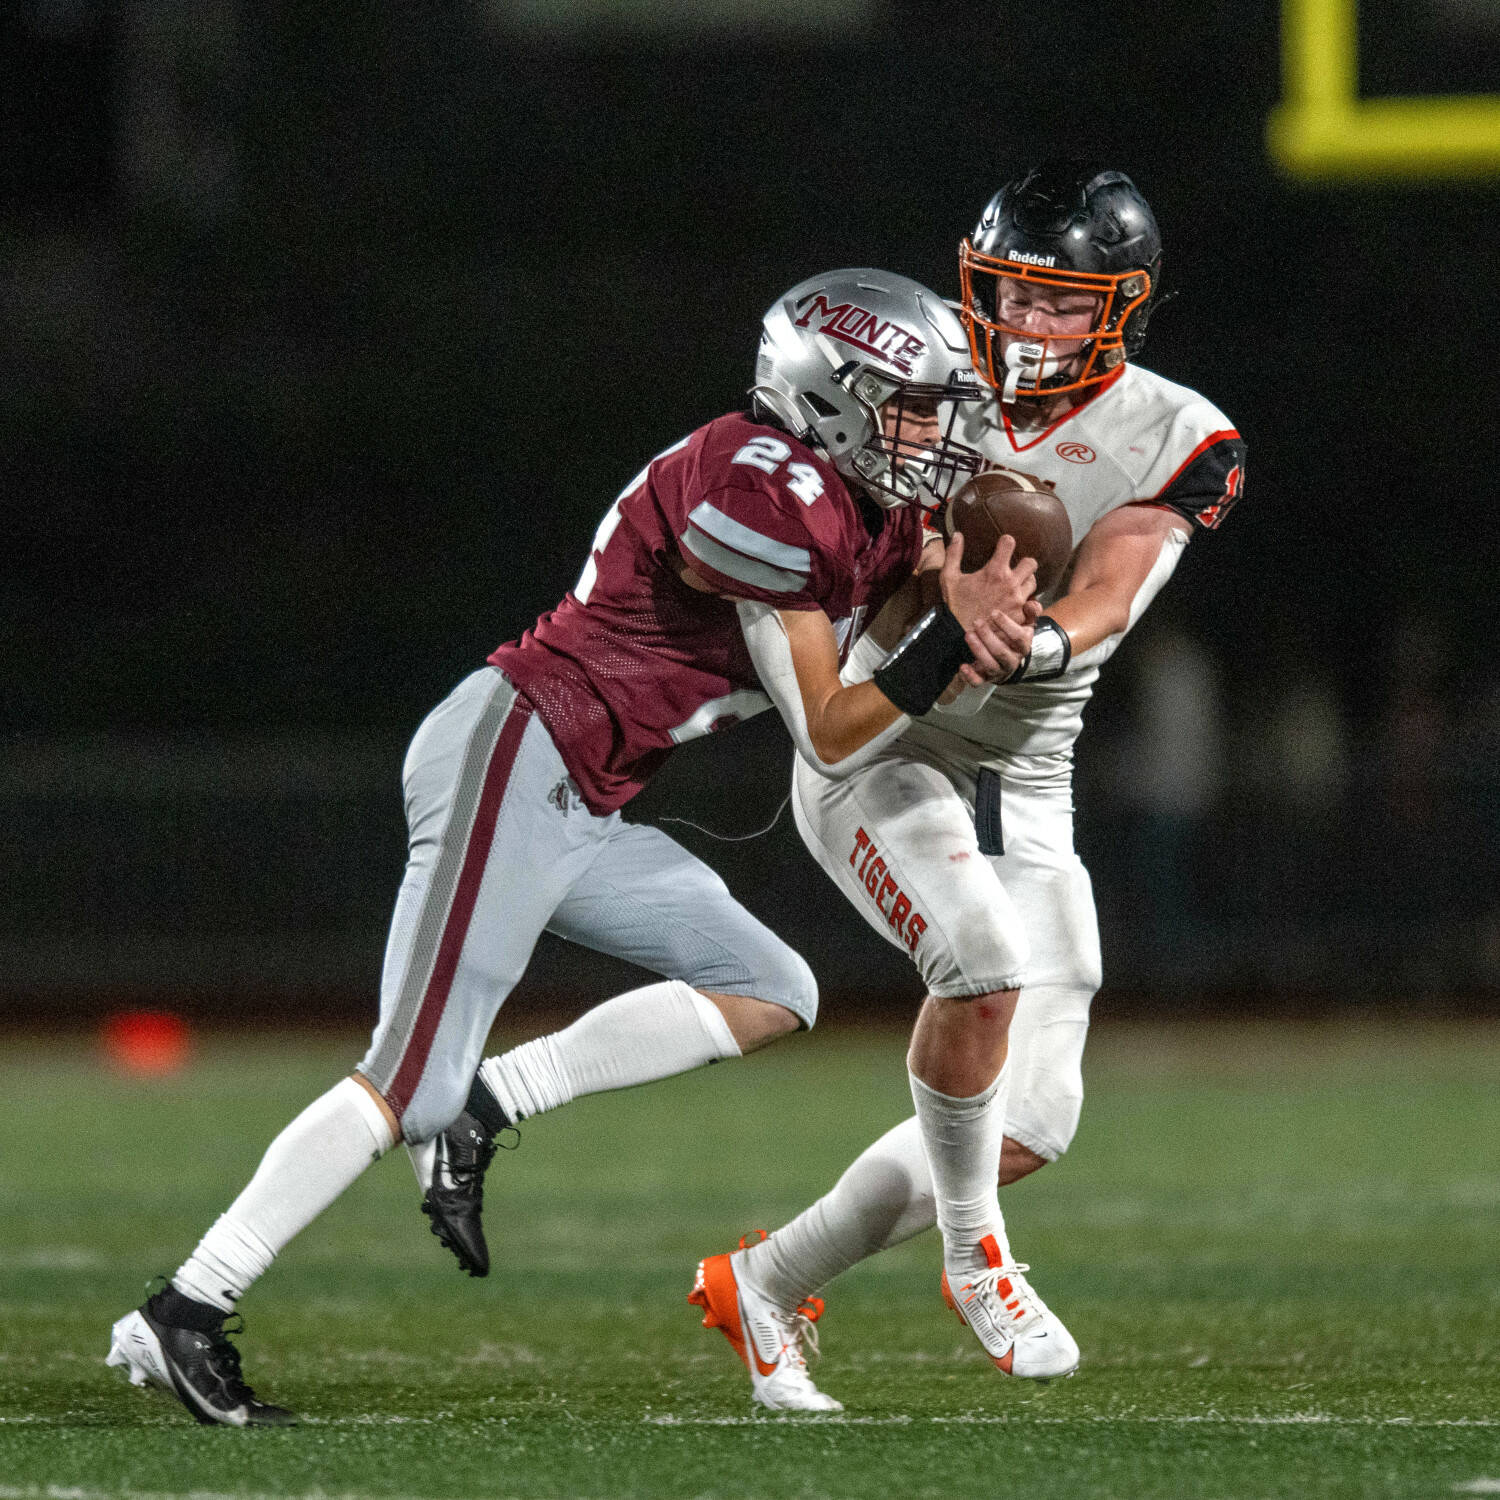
(53, 1258)
(959, 1355)
(1210, 1419)
(804, 1419)
(71, 1492)
(389, 1419)
(1484, 1485)
(499, 1354)
(380, 1419)
(385, 1357)
(173, 1419)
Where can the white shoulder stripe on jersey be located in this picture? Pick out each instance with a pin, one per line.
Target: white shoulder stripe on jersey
(743, 539)
(735, 565)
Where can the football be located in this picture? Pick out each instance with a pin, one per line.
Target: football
(1006, 502)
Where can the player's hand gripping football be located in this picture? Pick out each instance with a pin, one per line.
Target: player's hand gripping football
(996, 605)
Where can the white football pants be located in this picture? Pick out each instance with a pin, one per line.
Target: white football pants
(502, 848)
(899, 838)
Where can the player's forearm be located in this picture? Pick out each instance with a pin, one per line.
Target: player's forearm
(1090, 615)
(847, 719)
(835, 729)
(1121, 566)
(1111, 593)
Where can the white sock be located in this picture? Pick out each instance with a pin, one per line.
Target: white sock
(646, 1034)
(963, 1139)
(883, 1198)
(304, 1169)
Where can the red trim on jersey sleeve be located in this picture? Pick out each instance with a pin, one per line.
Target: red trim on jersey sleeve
(1207, 482)
(1203, 447)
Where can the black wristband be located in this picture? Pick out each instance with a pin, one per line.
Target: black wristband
(924, 661)
(1051, 651)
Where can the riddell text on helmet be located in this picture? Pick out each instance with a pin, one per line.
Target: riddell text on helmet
(876, 879)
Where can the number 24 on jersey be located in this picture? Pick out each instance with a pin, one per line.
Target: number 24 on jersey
(768, 454)
(762, 452)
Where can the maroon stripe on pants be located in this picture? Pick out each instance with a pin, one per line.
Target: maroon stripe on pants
(456, 928)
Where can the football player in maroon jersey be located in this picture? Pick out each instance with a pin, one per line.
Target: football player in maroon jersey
(732, 573)
(1059, 278)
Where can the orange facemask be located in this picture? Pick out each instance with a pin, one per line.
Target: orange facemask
(1033, 366)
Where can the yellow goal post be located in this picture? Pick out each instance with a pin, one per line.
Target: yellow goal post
(1323, 130)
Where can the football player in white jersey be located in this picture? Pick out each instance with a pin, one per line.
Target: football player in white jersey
(962, 830)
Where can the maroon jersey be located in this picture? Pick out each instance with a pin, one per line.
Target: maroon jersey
(633, 661)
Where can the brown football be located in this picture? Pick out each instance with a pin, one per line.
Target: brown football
(1006, 502)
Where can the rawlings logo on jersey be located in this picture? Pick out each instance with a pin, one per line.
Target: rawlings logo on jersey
(858, 327)
(1076, 453)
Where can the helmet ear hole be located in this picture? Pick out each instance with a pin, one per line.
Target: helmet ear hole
(823, 407)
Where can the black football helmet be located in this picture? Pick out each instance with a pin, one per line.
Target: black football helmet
(1071, 225)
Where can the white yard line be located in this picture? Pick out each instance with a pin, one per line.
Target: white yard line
(1211, 1419)
(966, 1419)
(52, 1258)
(70, 1492)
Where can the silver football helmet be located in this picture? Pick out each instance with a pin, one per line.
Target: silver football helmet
(857, 362)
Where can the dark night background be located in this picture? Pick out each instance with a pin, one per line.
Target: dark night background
(325, 340)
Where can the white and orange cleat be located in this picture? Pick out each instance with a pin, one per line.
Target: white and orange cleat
(768, 1339)
(1014, 1326)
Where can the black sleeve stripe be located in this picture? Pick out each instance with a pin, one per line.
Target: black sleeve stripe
(1209, 482)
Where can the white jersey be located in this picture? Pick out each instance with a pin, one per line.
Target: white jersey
(1142, 440)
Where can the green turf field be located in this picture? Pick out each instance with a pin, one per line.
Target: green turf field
(1278, 1247)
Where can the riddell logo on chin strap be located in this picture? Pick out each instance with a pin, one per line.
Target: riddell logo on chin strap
(876, 879)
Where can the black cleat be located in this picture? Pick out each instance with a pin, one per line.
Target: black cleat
(182, 1346)
(452, 1173)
